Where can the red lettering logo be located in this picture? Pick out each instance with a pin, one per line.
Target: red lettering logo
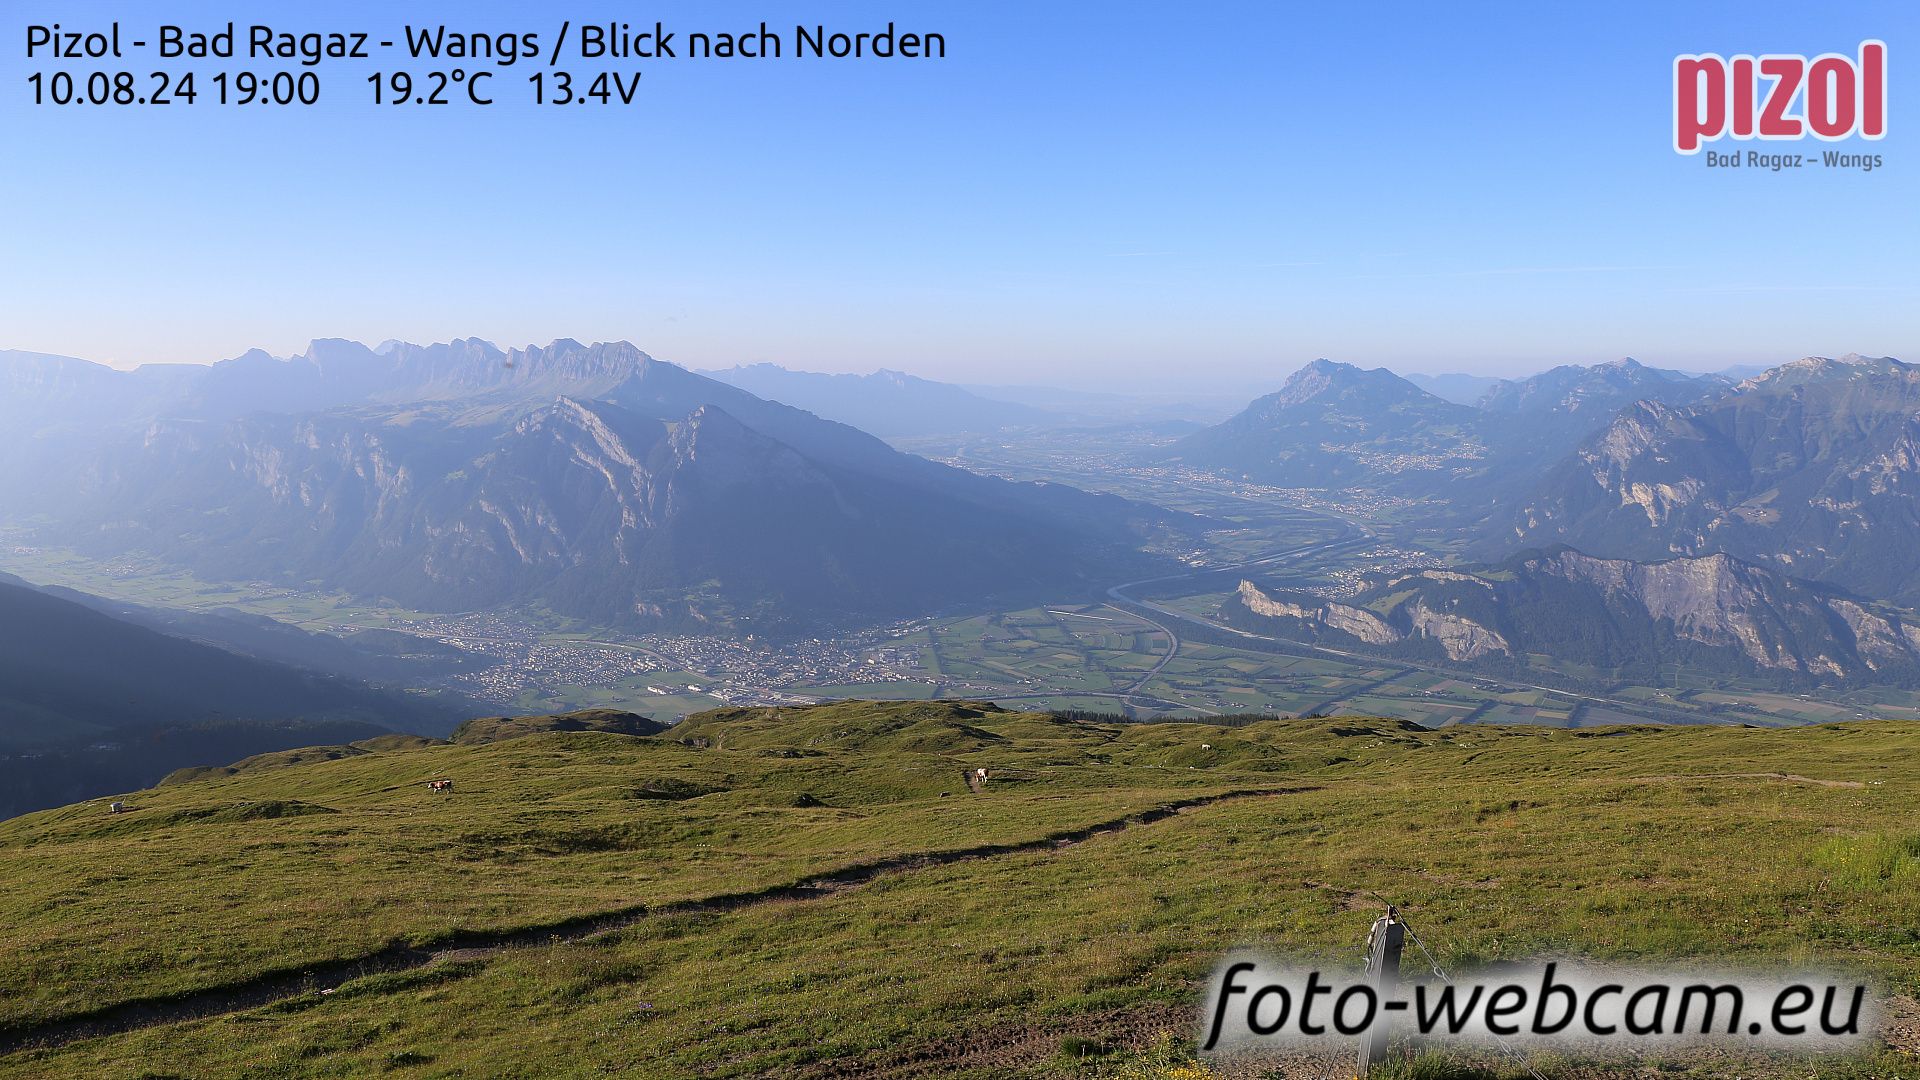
(1779, 96)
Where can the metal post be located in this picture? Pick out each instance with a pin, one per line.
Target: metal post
(1384, 942)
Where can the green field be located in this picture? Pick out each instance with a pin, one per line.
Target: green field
(1040, 926)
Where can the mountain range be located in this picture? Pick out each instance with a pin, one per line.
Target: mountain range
(1612, 517)
(1812, 468)
(592, 480)
(1629, 516)
(1337, 425)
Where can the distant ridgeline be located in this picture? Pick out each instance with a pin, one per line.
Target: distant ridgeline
(1336, 425)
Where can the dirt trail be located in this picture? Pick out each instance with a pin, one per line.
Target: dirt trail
(1675, 778)
(323, 978)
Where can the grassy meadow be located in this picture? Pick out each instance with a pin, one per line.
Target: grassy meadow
(1007, 955)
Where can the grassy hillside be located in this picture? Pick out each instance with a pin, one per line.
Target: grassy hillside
(90, 703)
(821, 891)
(488, 729)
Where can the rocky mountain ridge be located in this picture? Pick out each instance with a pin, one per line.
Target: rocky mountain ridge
(1812, 467)
(1608, 613)
(644, 494)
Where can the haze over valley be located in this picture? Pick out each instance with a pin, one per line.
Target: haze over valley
(575, 525)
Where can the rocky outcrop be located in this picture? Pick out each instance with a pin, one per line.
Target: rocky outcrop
(1879, 640)
(1353, 621)
(1719, 600)
(1462, 638)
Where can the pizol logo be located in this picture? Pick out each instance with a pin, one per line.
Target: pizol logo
(1779, 97)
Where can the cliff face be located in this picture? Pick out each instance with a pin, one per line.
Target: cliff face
(1461, 638)
(1718, 600)
(1608, 614)
(1356, 622)
(1812, 469)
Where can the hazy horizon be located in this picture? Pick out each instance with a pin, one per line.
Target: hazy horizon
(1223, 383)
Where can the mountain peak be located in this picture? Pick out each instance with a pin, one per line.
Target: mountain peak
(1333, 423)
(1324, 366)
(1322, 376)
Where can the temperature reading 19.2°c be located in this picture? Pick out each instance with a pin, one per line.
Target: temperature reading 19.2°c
(459, 86)
(431, 88)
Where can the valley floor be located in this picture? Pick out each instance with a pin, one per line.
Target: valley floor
(1160, 650)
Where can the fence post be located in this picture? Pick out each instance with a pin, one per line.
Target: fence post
(1384, 943)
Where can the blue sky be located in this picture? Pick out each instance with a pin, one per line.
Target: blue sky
(1123, 194)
